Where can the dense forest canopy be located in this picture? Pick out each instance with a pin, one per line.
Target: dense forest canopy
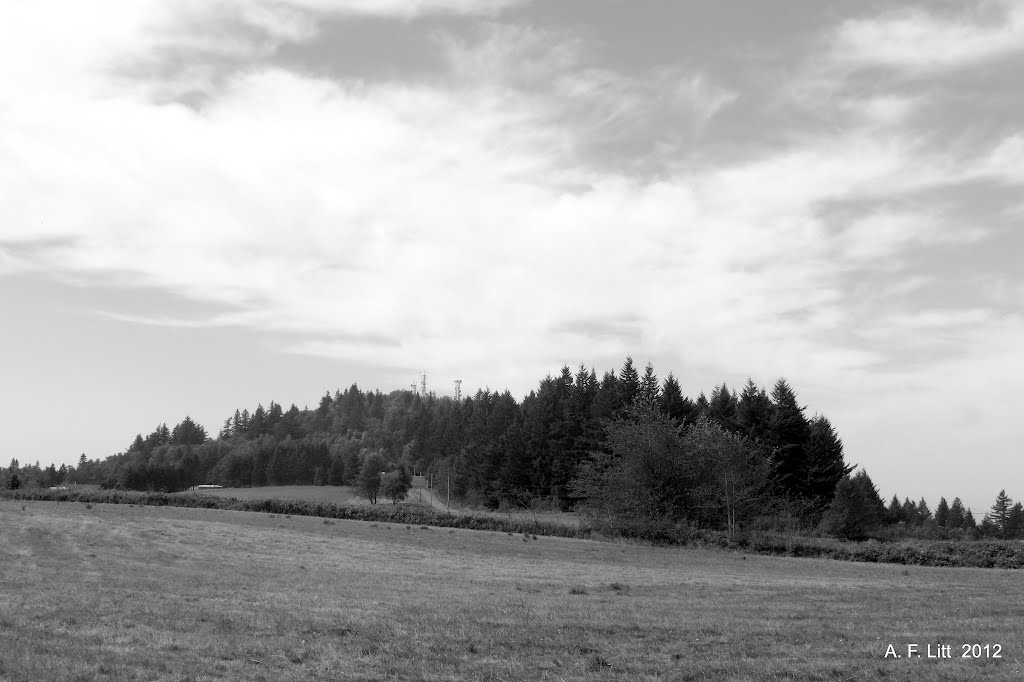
(628, 450)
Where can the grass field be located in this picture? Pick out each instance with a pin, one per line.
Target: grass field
(417, 497)
(305, 493)
(126, 592)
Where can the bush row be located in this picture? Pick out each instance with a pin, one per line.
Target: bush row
(977, 553)
(964, 554)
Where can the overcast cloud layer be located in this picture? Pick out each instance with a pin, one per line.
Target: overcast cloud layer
(489, 190)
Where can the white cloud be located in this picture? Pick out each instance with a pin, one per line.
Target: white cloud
(884, 111)
(1006, 160)
(408, 8)
(555, 71)
(444, 226)
(878, 235)
(918, 39)
(704, 97)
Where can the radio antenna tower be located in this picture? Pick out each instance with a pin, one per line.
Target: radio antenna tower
(458, 389)
(423, 380)
(413, 385)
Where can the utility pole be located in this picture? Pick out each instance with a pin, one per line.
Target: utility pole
(458, 390)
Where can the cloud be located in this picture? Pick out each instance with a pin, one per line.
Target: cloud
(916, 39)
(160, 320)
(703, 97)
(448, 224)
(882, 111)
(409, 8)
(569, 87)
(1006, 161)
(875, 236)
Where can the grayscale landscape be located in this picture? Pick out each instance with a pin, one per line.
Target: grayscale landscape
(511, 340)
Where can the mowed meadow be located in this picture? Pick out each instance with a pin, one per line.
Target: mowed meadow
(131, 592)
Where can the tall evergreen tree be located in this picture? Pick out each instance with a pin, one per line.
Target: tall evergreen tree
(324, 409)
(629, 382)
(754, 411)
(788, 433)
(923, 512)
(722, 408)
(1015, 521)
(825, 465)
(649, 391)
(258, 422)
(1000, 512)
(854, 511)
(188, 433)
(700, 407)
(673, 403)
(956, 514)
(909, 511)
(942, 513)
(608, 400)
(894, 513)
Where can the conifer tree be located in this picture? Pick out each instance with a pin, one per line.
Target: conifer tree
(700, 407)
(942, 513)
(673, 403)
(923, 512)
(909, 511)
(608, 400)
(825, 465)
(257, 422)
(754, 411)
(188, 433)
(722, 408)
(1015, 521)
(894, 513)
(649, 391)
(1000, 513)
(853, 512)
(956, 514)
(324, 409)
(629, 382)
(788, 433)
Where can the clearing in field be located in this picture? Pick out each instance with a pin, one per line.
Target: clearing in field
(122, 592)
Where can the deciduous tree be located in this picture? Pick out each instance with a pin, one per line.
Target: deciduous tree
(734, 475)
(394, 486)
(369, 480)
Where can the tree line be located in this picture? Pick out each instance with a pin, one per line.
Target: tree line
(629, 450)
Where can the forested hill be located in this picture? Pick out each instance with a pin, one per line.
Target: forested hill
(623, 447)
(493, 446)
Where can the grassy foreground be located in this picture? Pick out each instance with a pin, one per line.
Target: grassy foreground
(133, 592)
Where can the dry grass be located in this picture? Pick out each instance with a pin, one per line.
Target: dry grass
(417, 496)
(304, 493)
(117, 592)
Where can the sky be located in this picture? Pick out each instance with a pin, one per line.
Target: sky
(210, 204)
